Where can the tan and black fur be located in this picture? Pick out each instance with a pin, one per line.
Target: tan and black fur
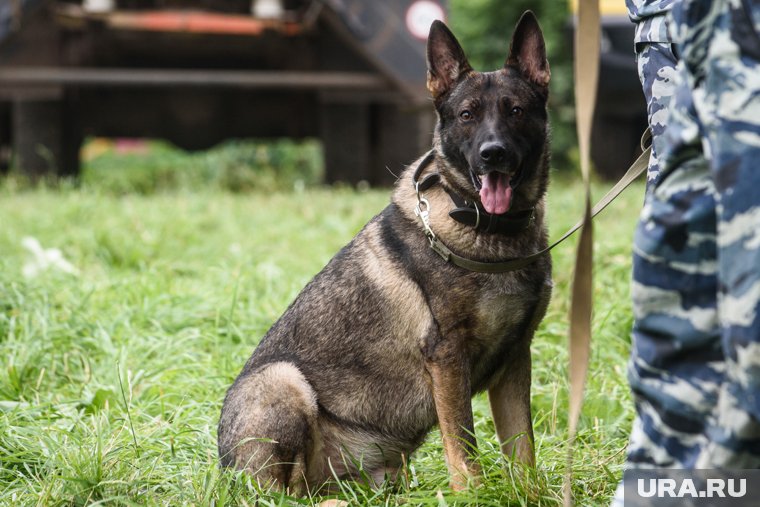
(389, 340)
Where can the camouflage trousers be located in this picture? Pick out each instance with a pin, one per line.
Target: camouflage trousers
(695, 360)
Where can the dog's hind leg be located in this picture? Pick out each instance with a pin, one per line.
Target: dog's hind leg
(268, 426)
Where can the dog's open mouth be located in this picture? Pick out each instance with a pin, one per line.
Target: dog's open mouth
(495, 189)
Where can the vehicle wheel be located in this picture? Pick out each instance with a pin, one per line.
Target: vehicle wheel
(345, 134)
(401, 136)
(44, 142)
(614, 145)
(5, 138)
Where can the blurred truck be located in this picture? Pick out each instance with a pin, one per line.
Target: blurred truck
(196, 72)
(620, 114)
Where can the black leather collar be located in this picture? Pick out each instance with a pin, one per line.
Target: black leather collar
(508, 224)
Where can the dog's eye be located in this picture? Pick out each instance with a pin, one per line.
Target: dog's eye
(465, 115)
(516, 111)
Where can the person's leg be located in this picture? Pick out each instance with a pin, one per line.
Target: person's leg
(675, 331)
(725, 76)
(676, 358)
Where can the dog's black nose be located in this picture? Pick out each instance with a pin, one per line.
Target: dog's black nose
(493, 152)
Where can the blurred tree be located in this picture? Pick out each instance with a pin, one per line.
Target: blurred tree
(484, 28)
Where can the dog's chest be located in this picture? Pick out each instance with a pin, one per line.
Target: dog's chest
(498, 315)
(500, 320)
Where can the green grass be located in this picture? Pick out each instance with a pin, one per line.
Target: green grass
(111, 380)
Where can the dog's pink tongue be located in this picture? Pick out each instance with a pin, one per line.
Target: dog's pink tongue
(496, 194)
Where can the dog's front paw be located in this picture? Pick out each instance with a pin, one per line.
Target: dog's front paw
(466, 475)
(333, 503)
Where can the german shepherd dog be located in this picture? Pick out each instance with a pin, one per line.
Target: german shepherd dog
(389, 339)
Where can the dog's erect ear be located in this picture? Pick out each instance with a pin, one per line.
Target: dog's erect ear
(527, 52)
(446, 61)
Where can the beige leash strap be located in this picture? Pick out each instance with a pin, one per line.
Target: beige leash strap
(587, 54)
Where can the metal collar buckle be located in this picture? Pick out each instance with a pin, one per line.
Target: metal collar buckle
(422, 210)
